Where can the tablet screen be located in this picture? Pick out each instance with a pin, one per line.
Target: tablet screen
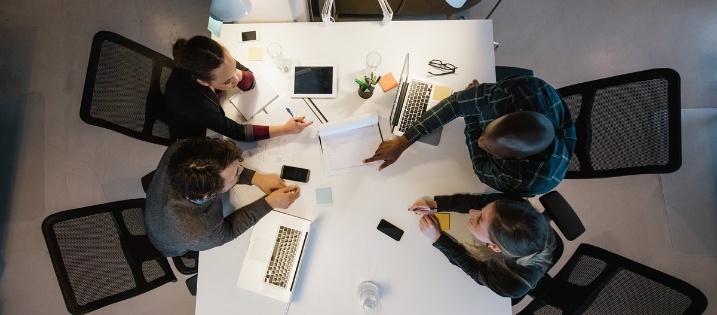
(314, 81)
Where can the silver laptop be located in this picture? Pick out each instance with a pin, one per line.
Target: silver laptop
(414, 97)
(273, 260)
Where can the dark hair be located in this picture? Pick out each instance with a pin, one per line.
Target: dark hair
(521, 232)
(194, 168)
(522, 133)
(199, 55)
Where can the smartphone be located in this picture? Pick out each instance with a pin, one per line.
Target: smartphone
(389, 229)
(250, 35)
(294, 173)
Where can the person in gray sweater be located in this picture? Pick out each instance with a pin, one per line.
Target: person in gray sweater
(184, 205)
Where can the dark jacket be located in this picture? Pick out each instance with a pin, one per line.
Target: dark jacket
(486, 273)
(193, 108)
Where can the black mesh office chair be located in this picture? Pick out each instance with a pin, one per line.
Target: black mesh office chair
(101, 255)
(124, 88)
(596, 281)
(627, 124)
(557, 209)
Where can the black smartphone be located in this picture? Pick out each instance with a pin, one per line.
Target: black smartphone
(294, 173)
(389, 229)
(251, 35)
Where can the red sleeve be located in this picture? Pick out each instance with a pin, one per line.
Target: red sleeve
(260, 132)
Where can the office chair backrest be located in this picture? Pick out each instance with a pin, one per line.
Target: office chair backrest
(627, 124)
(596, 281)
(101, 255)
(557, 209)
(124, 88)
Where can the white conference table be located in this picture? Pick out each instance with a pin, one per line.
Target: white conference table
(344, 247)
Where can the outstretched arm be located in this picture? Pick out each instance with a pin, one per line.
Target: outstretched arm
(389, 151)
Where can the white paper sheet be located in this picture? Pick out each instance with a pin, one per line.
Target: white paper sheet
(346, 143)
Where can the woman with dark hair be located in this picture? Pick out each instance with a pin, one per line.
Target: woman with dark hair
(518, 240)
(184, 211)
(204, 71)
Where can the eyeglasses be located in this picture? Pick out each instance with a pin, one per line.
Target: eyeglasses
(447, 67)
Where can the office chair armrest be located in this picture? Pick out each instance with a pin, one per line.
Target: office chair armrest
(559, 211)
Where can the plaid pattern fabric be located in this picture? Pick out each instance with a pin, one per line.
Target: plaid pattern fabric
(480, 105)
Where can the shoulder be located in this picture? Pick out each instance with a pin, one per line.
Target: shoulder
(506, 282)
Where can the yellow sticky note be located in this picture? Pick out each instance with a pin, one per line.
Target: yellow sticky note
(444, 220)
(441, 92)
(255, 54)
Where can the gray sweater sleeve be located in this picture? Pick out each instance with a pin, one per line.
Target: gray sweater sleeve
(237, 223)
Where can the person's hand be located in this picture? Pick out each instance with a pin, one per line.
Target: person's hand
(472, 84)
(429, 227)
(293, 126)
(424, 206)
(267, 183)
(389, 151)
(282, 198)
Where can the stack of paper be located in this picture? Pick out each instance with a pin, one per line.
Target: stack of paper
(347, 142)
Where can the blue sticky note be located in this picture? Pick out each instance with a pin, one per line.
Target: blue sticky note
(323, 196)
(215, 26)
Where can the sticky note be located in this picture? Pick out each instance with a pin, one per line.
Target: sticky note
(440, 92)
(323, 196)
(255, 54)
(387, 82)
(215, 26)
(444, 220)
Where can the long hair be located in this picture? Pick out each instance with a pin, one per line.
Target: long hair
(199, 55)
(522, 234)
(194, 168)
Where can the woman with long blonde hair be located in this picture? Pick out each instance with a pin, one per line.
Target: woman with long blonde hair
(518, 240)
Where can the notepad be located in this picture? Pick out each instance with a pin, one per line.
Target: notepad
(444, 220)
(248, 103)
(347, 142)
(255, 54)
(323, 196)
(387, 82)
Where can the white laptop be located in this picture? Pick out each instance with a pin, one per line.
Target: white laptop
(272, 262)
(415, 95)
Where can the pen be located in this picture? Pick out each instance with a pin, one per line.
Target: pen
(432, 208)
(290, 113)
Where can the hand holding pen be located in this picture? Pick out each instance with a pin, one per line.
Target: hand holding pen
(294, 126)
(424, 206)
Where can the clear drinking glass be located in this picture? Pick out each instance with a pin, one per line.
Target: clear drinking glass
(277, 55)
(373, 59)
(367, 292)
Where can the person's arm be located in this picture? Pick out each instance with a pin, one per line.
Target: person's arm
(467, 102)
(462, 203)
(212, 117)
(237, 223)
(247, 81)
(480, 272)
(460, 104)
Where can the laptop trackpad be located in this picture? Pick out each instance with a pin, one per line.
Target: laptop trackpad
(262, 250)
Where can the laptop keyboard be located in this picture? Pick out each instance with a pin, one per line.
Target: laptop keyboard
(416, 103)
(282, 258)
